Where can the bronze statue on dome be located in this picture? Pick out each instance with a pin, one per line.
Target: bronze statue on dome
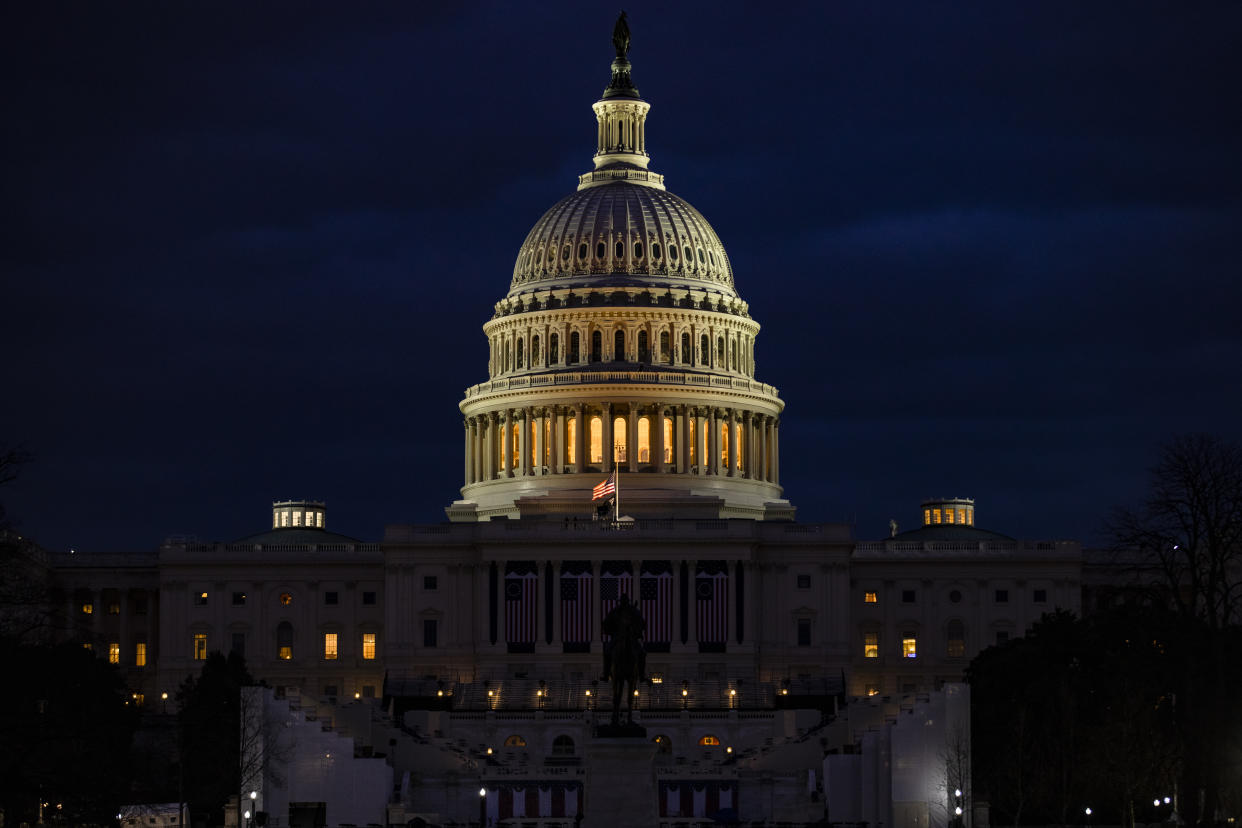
(621, 36)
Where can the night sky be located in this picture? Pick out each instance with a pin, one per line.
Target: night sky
(248, 249)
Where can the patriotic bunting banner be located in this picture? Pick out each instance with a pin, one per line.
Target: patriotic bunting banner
(535, 800)
(520, 609)
(711, 602)
(576, 607)
(655, 597)
(696, 799)
(612, 585)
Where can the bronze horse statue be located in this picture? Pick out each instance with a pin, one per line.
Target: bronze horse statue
(624, 657)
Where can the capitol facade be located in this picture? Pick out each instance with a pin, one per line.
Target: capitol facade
(459, 663)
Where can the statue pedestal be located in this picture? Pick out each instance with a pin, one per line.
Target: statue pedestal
(620, 783)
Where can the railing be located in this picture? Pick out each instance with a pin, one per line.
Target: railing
(776, 531)
(1039, 549)
(638, 377)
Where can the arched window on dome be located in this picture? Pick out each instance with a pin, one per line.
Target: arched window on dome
(618, 346)
(644, 352)
(733, 354)
(597, 440)
(685, 349)
(597, 346)
(638, 250)
(672, 253)
(582, 250)
(554, 349)
(665, 346)
(519, 353)
(619, 250)
(506, 360)
(655, 250)
(700, 255)
(571, 441)
(720, 353)
(619, 446)
(600, 250)
(535, 353)
(705, 350)
(689, 254)
(711, 257)
(644, 439)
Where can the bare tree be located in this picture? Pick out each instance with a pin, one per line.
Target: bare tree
(266, 745)
(25, 571)
(1188, 537)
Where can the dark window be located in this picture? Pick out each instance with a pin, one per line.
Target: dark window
(430, 583)
(655, 250)
(200, 599)
(554, 349)
(957, 639)
(138, 605)
(239, 644)
(429, 632)
(597, 346)
(331, 599)
(239, 599)
(114, 608)
(907, 596)
(804, 582)
(672, 253)
(700, 255)
(329, 690)
(368, 691)
(368, 599)
(618, 345)
(804, 632)
(644, 352)
(689, 255)
(1002, 636)
(685, 349)
(565, 254)
(620, 250)
(582, 251)
(1002, 596)
(564, 746)
(599, 250)
(955, 596)
(638, 250)
(705, 351)
(573, 347)
(1041, 596)
(664, 346)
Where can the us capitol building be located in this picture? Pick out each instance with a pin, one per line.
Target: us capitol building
(453, 669)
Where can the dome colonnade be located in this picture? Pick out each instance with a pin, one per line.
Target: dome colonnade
(622, 344)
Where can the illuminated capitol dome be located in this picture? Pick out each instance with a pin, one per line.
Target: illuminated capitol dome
(622, 343)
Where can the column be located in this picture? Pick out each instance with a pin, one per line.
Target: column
(631, 438)
(658, 441)
(776, 451)
(713, 443)
(489, 446)
(682, 425)
(506, 444)
(468, 426)
(523, 442)
(581, 440)
(762, 447)
(700, 439)
(478, 449)
(555, 442)
(733, 464)
(541, 450)
(606, 433)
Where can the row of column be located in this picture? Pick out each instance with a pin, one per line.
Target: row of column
(697, 444)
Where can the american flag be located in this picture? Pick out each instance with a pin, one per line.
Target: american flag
(611, 588)
(609, 486)
(655, 595)
(532, 801)
(576, 607)
(711, 593)
(520, 608)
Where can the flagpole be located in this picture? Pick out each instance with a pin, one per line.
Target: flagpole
(616, 503)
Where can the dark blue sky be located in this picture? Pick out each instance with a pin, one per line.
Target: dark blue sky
(995, 247)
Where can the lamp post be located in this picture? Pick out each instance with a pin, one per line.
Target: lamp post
(482, 807)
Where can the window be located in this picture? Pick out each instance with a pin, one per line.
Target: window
(140, 654)
(239, 599)
(297, 518)
(286, 598)
(554, 349)
(114, 608)
(429, 632)
(200, 646)
(331, 599)
(368, 646)
(909, 645)
(368, 691)
(430, 583)
(582, 250)
(1041, 596)
(872, 689)
(871, 645)
(619, 251)
(329, 690)
(515, 741)
(804, 582)
(804, 632)
(600, 250)
(329, 646)
(927, 517)
(239, 644)
(672, 252)
(88, 608)
(709, 741)
(638, 250)
(200, 599)
(957, 640)
(563, 746)
(948, 515)
(140, 699)
(138, 605)
(368, 599)
(1002, 636)
(869, 598)
(955, 596)
(907, 596)
(655, 250)
(284, 641)
(664, 745)
(114, 653)
(1002, 596)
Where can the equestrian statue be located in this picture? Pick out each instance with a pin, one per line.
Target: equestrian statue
(625, 660)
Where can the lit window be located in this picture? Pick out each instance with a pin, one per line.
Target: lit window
(140, 654)
(871, 645)
(619, 440)
(319, 520)
(286, 598)
(948, 515)
(200, 599)
(88, 646)
(869, 598)
(200, 646)
(644, 439)
(329, 646)
(87, 609)
(368, 646)
(515, 741)
(709, 740)
(114, 608)
(668, 439)
(310, 518)
(297, 518)
(284, 641)
(935, 515)
(961, 516)
(873, 690)
(140, 699)
(926, 517)
(597, 440)
(284, 519)
(114, 653)
(571, 440)
(909, 645)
